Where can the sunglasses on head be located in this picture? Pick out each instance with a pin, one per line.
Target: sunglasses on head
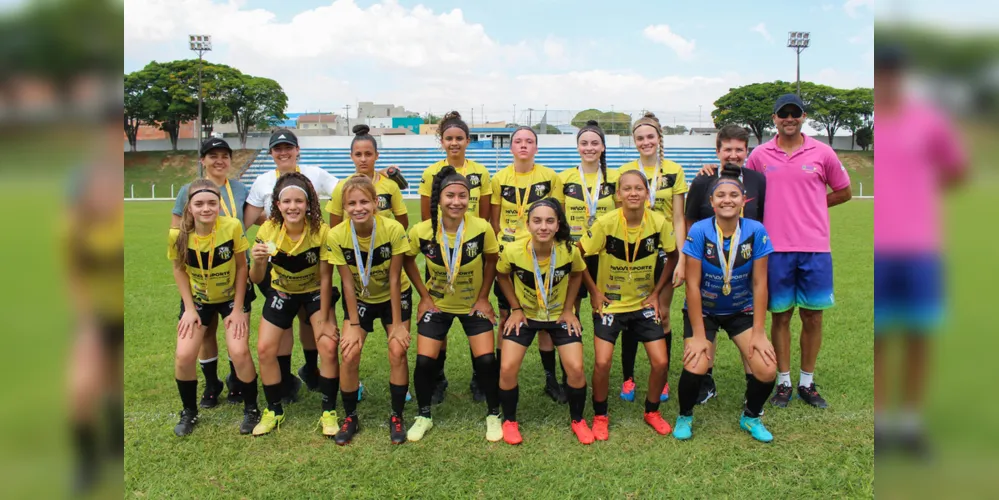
(793, 112)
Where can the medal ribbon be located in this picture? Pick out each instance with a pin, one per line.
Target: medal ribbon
(653, 182)
(232, 201)
(205, 273)
(521, 206)
(624, 232)
(284, 231)
(364, 270)
(543, 284)
(452, 258)
(727, 266)
(592, 197)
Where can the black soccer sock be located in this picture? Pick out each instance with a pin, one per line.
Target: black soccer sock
(188, 394)
(757, 393)
(273, 394)
(85, 439)
(711, 372)
(577, 402)
(565, 378)
(749, 376)
(488, 371)
(441, 359)
(509, 398)
(211, 370)
(690, 387)
(499, 358)
(284, 363)
(424, 375)
(651, 406)
(234, 383)
(669, 344)
(329, 387)
(398, 394)
(629, 351)
(311, 359)
(114, 422)
(548, 362)
(599, 407)
(249, 394)
(349, 402)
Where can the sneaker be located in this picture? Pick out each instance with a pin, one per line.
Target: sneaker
(292, 389)
(235, 396)
(396, 432)
(329, 422)
(755, 428)
(683, 430)
(419, 428)
(409, 396)
(494, 428)
(251, 418)
(310, 377)
(268, 422)
(628, 390)
(477, 393)
(782, 397)
(347, 431)
(582, 431)
(511, 433)
(811, 396)
(655, 420)
(360, 391)
(440, 390)
(554, 390)
(665, 394)
(210, 399)
(600, 427)
(708, 390)
(188, 419)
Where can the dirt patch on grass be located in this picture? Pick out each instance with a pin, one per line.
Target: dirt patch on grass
(857, 161)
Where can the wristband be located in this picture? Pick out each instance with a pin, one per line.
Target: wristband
(516, 309)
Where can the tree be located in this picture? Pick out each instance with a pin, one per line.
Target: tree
(862, 112)
(136, 107)
(677, 130)
(431, 119)
(830, 109)
(611, 122)
(173, 95)
(549, 129)
(865, 137)
(751, 106)
(252, 102)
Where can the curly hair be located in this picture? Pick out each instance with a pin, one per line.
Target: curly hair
(563, 234)
(187, 219)
(314, 214)
(445, 177)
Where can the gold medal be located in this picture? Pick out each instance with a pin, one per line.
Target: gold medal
(726, 289)
(271, 248)
(365, 293)
(591, 220)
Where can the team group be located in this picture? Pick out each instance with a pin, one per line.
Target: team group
(542, 241)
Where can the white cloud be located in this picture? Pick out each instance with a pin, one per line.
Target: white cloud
(762, 30)
(662, 33)
(554, 47)
(852, 6)
(864, 37)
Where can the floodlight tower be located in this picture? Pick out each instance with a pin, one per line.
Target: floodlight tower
(200, 44)
(798, 40)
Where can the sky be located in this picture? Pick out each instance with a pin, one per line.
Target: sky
(675, 58)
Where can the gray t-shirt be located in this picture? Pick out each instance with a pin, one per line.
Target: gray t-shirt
(239, 194)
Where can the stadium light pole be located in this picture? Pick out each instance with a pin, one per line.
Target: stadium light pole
(798, 40)
(200, 44)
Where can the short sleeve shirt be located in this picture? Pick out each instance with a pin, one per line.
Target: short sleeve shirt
(477, 241)
(262, 188)
(517, 261)
(229, 207)
(513, 194)
(210, 262)
(476, 173)
(389, 197)
(698, 205)
(578, 190)
(295, 267)
(390, 240)
(671, 182)
(703, 245)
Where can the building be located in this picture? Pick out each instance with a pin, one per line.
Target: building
(372, 110)
(311, 121)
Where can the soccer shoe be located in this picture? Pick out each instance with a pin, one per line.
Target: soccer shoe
(396, 432)
(477, 394)
(251, 418)
(439, 391)
(360, 391)
(235, 395)
(329, 423)
(554, 390)
(655, 420)
(628, 390)
(582, 431)
(409, 397)
(210, 399)
(601, 432)
(708, 390)
(347, 431)
(511, 433)
(311, 378)
(268, 422)
(188, 419)
(494, 428)
(419, 428)
(665, 394)
(755, 428)
(292, 388)
(782, 397)
(683, 430)
(811, 396)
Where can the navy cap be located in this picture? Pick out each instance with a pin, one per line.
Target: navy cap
(786, 99)
(890, 56)
(283, 136)
(213, 143)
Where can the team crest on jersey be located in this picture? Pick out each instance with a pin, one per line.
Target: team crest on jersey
(429, 250)
(572, 190)
(311, 257)
(224, 253)
(650, 244)
(559, 274)
(474, 180)
(747, 251)
(709, 250)
(539, 189)
(386, 252)
(383, 202)
(508, 191)
(471, 249)
(520, 275)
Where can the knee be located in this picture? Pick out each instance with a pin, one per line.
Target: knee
(485, 363)
(239, 351)
(659, 365)
(397, 355)
(353, 359)
(700, 367)
(508, 368)
(810, 320)
(763, 372)
(267, 350)
(602, 365)
(572, 366)
(327, 348)
(783, 319)
(185, 358)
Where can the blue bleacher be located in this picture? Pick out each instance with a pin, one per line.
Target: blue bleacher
(413, 161)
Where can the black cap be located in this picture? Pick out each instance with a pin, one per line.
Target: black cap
(890, 56)
(283, 136)
(213, 143)
(786, 99)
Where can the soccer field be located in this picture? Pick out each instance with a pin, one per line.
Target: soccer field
(815, 453)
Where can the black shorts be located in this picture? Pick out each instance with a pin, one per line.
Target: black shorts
(368, 313)
(501, 301)
(733, 324)
(661, 264)
(113, 332)
(207, 312)
(558, 332)
(281, 308)
(435, 325)
(640, 325)
(592, 265)
(265, 284)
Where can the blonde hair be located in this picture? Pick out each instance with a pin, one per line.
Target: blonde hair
(362, 183)
(187, 219)
(649, 118)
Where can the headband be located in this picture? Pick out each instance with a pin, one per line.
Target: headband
(545, 202)
(727, 181)
(451, 124)
(204, 190)
(293, 186)
(456, 179)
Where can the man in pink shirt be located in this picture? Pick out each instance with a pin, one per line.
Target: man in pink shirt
(798, 170)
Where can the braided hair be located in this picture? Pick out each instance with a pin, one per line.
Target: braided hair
(187, 219)
(563, 234)
(593, 126)
(445, 177)
(313, 216)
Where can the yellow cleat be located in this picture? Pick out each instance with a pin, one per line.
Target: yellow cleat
(268, 421)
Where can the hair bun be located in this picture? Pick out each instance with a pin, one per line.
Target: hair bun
(731, 170)
(361, 129)
(451, 115)
(649, 114)
(592, 123)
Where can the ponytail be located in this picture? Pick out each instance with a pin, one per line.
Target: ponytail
(187, 219)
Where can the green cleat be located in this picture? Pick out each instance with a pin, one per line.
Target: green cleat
(419, 428)
(268, 421)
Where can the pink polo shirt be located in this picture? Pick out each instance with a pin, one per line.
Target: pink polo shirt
(796, 214)
(916, 148)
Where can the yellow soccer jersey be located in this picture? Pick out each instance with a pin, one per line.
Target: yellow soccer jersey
(576, 210)
(626, 274)
(390, 239)
(389, 197)
(97, 251)
(516, 261)
(295, 270)
(671, 182)
(478, 239)
(476, 173)
(217, 260)
(509, 188)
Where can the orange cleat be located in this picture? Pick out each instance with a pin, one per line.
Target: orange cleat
(582, 431)
(511, 433)
(655, 420)
(600, 424)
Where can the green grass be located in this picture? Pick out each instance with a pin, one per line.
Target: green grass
(164, 168)
(815, 453)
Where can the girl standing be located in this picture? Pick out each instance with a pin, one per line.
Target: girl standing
(364, 153)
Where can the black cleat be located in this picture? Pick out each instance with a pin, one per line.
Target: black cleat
(477, 393)
(210, 399)
(708, 390)
(188, 419)
(811, 396)
(347, 431)
(251, 418)
(396, 431)
(554, 390)
(235, 395)
(311, 378)
(782, 397)
(913, 444)
(291, 390)
(439, 392)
